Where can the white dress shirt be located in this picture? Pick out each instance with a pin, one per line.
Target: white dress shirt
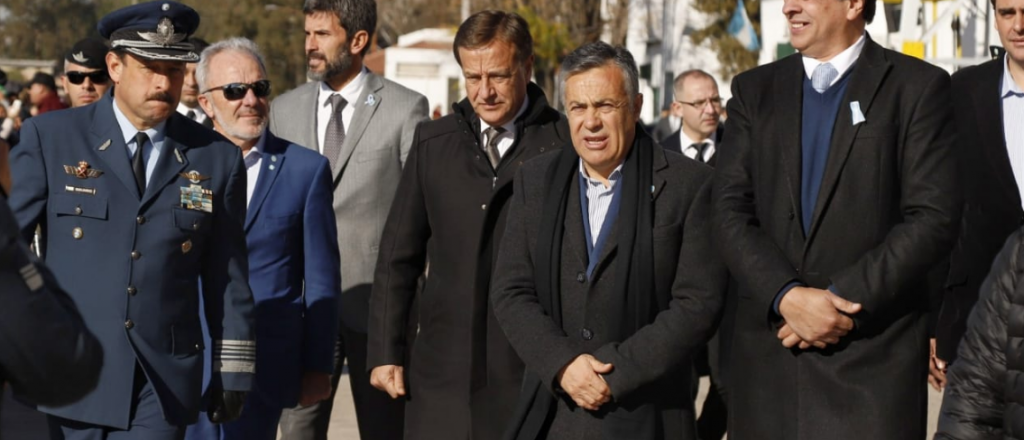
(199, 114)
(253, 158)
(351, 92)
(1012, 98)
(599, 199)
(506, 139)
(841, 62)
(690, 151)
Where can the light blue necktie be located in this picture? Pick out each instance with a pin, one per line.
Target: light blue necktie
(823, 76)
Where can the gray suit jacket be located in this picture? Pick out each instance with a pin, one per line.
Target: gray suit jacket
(377, 142)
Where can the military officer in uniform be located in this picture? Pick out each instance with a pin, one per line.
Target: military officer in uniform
(141, 210)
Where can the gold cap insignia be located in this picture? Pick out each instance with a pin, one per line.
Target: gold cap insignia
(164, 34)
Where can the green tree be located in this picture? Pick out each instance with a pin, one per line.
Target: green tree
(44, 29)
(734, 58)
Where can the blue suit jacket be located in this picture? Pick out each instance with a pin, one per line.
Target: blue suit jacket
(292, 238)
(133, 263)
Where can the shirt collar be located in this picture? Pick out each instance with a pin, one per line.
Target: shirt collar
(686, 141)
(350, 92)
(183, 109)
(156, 134)
(1010, 88)
(510, 126)
(841, 62)
(613, 178)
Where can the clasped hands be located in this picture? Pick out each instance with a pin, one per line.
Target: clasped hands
(814, 318)
(581, 379)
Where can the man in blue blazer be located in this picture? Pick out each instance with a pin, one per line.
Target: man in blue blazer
(139, 209)
(293, 246)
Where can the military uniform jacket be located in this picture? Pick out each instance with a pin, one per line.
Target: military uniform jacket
(450, 208)
(134, 264)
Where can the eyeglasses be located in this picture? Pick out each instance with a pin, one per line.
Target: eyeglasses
(715, 102)
(97, 77)
(236, 91)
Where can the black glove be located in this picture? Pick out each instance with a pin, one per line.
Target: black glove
(225, 406)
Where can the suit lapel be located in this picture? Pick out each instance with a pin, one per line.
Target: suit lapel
(988, 105)
(869, 71)
(169, 164)
(273, 155)
(108, 140)
(367, 105)
(787, 111)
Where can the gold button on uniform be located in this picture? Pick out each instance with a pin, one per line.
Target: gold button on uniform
(77, 233)
(136, 255)
(186, 246)
(129, 324)
(140, 219)
(78, 210)
(132, 290)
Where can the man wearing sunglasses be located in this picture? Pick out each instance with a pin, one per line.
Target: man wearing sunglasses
(85, 72)
(141, 211)
(294, 265)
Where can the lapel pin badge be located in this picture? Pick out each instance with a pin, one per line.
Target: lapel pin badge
(858, 116)
(105, 145)
(177, 155)
(371, 100)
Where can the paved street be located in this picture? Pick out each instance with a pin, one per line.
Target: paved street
(20, 423)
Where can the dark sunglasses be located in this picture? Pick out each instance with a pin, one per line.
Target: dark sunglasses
(236, 91)
(97, 77)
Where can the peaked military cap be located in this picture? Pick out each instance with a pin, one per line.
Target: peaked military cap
(89, 52)
(156, 30)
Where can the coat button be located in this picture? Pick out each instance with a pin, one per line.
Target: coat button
(129, 324)
(195, 225)
(791, 215)
(581, 277)
(77, 233)
(586, 334)
(132, 290)
(140, 219)
(483, 207)
(136, 255)
(78, 210)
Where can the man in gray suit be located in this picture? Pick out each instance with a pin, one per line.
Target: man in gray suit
(364, 125)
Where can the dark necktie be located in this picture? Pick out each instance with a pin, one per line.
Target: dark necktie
(335, 131)
(701, 147)
(491, 148)
(191, 115)
(138, 166)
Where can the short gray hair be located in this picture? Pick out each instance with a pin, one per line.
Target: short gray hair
(599, 54)
(241, 45)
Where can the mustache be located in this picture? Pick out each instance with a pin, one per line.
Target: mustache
(161, 96)
(316, 55)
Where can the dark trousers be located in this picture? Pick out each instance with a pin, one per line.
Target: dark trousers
(258, 422)
(379, 416)
(146, 422)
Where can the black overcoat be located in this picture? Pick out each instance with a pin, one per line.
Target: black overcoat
(450, 208)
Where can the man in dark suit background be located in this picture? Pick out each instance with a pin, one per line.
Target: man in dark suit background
(141, 208)
(988, 104)
(460, 375)
(698, 105)
(189, 106)
(607, 283)
(294, 266)
(835, 194)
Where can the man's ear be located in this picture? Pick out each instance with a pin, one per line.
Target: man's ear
(114, 67)
(358, 42)
(638, 104)
(207, 105)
